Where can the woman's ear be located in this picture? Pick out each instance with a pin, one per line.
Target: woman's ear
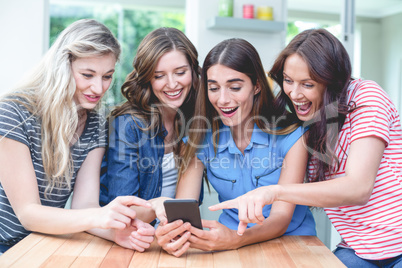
(257, 88)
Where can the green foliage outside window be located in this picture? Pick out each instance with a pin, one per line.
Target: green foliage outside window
(296, 27)
(130, 26)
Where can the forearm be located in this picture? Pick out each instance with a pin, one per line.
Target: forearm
(337, 192)
(108, 234)
(352, 189)
(52, 220)
(272, 227)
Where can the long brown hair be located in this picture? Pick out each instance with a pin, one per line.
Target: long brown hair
(141, 101)
(329, 64)
(239, 55)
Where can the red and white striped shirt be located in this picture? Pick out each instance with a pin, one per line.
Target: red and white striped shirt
(374, 230)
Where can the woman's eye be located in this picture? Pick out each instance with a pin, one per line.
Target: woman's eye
(87, 75)
(213, 89)
(308, 85)
(108, 77)
(235, 88)
(181, 73)
(158, 76)
(287, 80)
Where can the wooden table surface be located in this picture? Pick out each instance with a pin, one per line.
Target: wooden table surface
(85, 250)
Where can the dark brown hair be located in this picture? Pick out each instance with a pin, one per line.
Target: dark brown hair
(329, 64)
(141, 101)
(239, 55)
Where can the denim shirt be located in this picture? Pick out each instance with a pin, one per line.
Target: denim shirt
(233, 173)
(132, 164)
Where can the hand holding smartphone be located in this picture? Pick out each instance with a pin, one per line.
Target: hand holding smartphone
(183, 209)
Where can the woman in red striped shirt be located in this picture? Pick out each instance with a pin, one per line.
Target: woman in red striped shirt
(355, 151)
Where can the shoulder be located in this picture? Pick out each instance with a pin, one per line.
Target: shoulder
(294, 135)
(15, 110)
(286, 141)
(127, 123)
(369, 97)
(129, 128)
(17, 122)
(366, 90)
(14, 105)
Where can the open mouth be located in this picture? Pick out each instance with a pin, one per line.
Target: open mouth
(173, 94)
(302, 107)
(228, 111)
(92, 98)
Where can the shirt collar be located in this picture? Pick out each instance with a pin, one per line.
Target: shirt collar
(226, 139)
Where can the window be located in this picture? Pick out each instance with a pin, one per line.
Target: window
(297, 26)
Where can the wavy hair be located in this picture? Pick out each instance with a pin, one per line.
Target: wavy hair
(141, 101)
(241, 56)
(48, 92)
(329, 64)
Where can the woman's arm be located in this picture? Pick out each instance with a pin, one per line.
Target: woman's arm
(354, 188)
(18, 179)
(172, 237)
(122, 175)
(129, 231)
(221, 238)
(189, 185)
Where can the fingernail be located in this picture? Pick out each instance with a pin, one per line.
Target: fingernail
(239, 234)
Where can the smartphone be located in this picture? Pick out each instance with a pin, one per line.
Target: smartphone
(183, 209)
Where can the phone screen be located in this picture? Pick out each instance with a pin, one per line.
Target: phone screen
(184, 209)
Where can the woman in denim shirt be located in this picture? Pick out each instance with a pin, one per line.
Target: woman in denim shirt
(246, 146)
(145, 132)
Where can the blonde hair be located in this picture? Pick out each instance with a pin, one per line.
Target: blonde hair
(49, 89)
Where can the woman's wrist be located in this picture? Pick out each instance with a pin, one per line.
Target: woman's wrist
(237, 241)
(276, 192)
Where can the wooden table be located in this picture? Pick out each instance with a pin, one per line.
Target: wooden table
(85, 250)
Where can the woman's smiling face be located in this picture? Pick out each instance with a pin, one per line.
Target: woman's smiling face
(305, 93)
(231, 93)
(172, 79)
(93, 76)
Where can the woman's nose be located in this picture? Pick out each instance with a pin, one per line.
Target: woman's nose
(172, 83)
(224, 97)
(97, 86)
(295, 92)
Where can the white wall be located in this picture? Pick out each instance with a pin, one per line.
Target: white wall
(199, 11)
(391, 54)
(24, 31)
(371, 63)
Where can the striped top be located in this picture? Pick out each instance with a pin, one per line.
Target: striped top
(17, 123)
(374, 230)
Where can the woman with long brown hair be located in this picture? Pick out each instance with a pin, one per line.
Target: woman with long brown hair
(145, 132)
(354, 142)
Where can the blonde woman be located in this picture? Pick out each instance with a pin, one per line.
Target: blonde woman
(52, 142)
